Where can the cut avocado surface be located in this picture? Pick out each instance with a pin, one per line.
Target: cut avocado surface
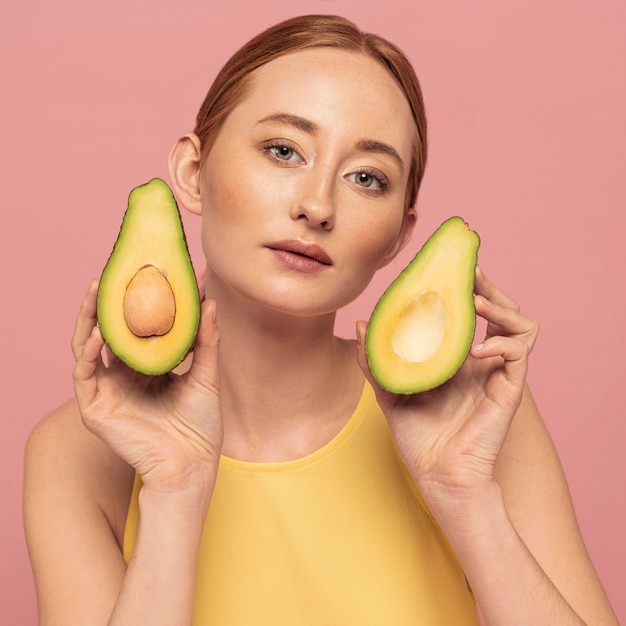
(422, 328)
(148, 300)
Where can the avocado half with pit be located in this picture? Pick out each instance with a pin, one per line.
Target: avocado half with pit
(422, 328)
(148, 299)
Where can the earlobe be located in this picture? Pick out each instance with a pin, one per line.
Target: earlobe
(184, 168)
(404, 236)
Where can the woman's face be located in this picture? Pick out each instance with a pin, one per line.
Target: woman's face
(303, 190)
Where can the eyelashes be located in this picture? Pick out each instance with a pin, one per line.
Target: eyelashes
(284, 153)
(370, 178)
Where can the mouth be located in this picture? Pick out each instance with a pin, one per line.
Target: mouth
(300, 253)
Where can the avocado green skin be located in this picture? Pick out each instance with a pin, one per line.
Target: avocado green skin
(163, 247)
(398, 376)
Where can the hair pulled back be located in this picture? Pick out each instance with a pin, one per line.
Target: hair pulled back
(299, 33)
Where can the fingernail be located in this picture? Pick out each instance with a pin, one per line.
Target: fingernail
(479, 346)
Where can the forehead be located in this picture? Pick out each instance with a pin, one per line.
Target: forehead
(338, 90)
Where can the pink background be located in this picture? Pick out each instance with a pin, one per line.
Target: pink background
(527, 103)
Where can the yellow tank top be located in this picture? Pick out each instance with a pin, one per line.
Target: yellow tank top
(339, 537)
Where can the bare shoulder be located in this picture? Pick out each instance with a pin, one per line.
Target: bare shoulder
(65, 458)
(76, 494)
(538, 500)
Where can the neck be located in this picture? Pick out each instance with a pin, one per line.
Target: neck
(287, 383)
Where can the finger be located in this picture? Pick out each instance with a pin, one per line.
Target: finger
(361, 356)
(204, 366)
(503, 320)
(514, 352)
(111, 357)
(201, 279)
(484, 287)
(86, 368)
(86, 319)
(361, 329)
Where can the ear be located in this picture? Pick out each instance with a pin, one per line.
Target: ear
(184, 168)
(404, 236)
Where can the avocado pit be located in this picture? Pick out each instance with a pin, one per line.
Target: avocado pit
(149, 303)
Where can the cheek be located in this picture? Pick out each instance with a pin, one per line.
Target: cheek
(368, 252)
(219, 211)
(235, 191)
(223, 204)
(376, 243)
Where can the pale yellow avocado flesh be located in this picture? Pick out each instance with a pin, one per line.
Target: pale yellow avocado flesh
(151, 234)
(422, 328)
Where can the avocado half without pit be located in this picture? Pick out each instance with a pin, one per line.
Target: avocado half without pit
(422, 328)
(148, 299)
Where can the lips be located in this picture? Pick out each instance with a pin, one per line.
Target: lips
(310, 251)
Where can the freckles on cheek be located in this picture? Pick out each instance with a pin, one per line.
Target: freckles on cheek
(224, 202)
(238, 197)
(366, 264)
(378, 242)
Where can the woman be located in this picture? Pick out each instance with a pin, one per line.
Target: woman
(274, 482)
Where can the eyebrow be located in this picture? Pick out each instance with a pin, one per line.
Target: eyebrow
(311, 128)
(369, 145)
(291, 120)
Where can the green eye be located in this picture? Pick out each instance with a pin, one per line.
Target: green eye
(364, 179)
(282, 152)
(371, 180)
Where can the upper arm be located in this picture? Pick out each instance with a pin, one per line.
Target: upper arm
(540, 506)
(73, 520)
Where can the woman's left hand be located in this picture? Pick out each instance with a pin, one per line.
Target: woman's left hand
(450, 437)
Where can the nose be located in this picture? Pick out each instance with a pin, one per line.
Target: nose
(315, 200)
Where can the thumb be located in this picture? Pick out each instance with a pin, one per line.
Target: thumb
(361, 330)
(384, 398)
(204, 366)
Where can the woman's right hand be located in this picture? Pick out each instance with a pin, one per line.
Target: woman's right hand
(168, 428)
